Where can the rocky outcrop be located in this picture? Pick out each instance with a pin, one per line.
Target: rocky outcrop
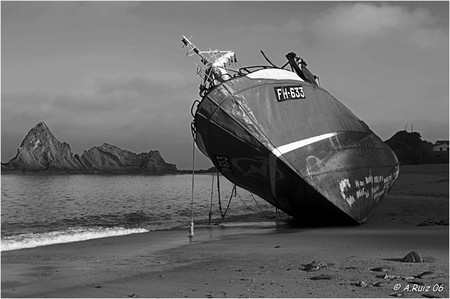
(110, 158)
(41, 151)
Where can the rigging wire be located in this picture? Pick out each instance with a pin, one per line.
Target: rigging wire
(218, 194)
(191, 228)
(233, 193)
(259, 206)
(211, 203)
(248, 207)
(262, 212)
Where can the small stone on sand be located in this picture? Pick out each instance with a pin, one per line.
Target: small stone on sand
(380, 269)
(321, 277)
(359, 283)
(314, 266)
(424, 274)
(413, 257)
(396, 294)
(430, 296)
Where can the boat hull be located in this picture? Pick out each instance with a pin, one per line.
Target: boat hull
(294, 145)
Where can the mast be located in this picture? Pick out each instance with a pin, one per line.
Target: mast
(215, 64)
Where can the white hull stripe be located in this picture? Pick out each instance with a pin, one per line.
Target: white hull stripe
(281, 150)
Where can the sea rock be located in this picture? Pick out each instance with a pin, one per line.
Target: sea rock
(110, 158)
(413, 257)
(41, 151)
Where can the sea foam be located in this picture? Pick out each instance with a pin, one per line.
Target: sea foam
(58, 237)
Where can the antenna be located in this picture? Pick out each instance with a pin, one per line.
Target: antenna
(215, 64)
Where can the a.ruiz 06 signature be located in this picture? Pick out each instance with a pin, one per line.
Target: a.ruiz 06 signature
(412, 287)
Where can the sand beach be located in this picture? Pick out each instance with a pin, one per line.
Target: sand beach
(278, 259)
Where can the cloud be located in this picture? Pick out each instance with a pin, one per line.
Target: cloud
(364, 19)
(426, 38)
(112, 103)
(359, 22)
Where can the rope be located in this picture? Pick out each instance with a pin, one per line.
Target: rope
(229, 201)
(191, 228)
(233, 193)
(218, 194)
(259, 206)
(211, 203)
(256, 204)
(245, 203)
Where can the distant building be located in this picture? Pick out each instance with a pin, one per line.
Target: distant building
(441, 146)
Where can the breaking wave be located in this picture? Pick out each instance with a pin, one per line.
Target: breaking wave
(58, 237)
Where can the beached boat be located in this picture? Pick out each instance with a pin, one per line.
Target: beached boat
(278, 134)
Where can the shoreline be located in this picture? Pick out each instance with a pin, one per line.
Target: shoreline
(258, 260)
(264, 262)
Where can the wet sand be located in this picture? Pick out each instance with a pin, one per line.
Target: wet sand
(279, 260)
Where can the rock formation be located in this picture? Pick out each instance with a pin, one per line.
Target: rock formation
(110, 158)
(410, 148)
(40, 150)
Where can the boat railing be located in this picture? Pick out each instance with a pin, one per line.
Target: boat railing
(217, 66)
(250, 69)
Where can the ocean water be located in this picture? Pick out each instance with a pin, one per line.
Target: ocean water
(38, 210)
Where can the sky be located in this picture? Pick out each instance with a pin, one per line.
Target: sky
(115, 72)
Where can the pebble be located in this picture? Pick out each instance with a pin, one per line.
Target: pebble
(397, 294)
(321, 277)
(314, 266)
(380, 269)
(424, 274)
(360, 284)
(430, 296)
(390, 277)
(430, 222)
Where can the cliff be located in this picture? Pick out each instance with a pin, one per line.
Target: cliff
(42, 151)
